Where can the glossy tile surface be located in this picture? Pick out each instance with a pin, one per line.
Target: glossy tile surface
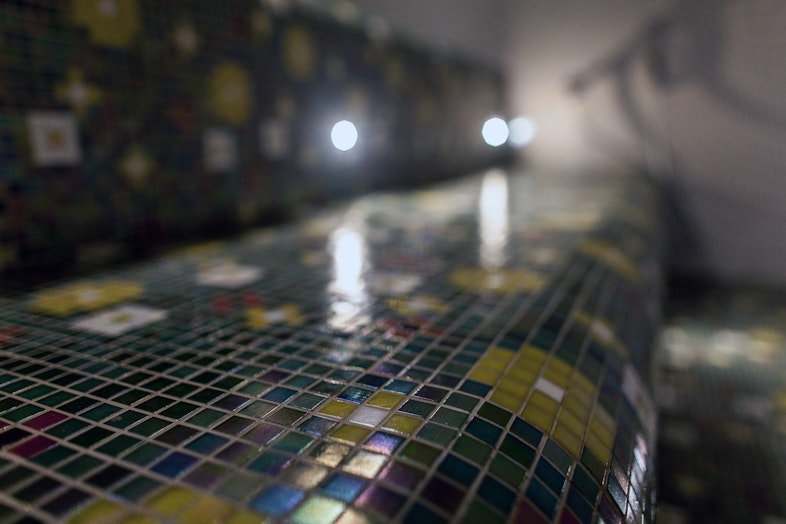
(722, 396)
(475, 352)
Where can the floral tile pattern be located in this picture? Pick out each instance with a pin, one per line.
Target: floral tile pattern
(362, 383)
(131, 124)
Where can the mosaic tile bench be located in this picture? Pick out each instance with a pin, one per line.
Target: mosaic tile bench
(475, 352)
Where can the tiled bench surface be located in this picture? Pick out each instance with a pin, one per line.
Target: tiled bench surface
(473, 352)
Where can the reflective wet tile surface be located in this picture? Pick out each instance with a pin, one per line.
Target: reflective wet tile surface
(479, 351)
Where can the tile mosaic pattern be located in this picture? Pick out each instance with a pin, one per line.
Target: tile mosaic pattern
(475, 352)
(722, 395)
(126, 124)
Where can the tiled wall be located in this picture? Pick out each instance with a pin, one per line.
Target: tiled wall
(129, 123)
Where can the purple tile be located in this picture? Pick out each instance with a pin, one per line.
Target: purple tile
(33, 447)
(384, 443)
(45, 420)
(381, 500)
(263, 433)
(401, 475)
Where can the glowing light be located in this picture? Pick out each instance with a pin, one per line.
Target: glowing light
(493, 217)
(348, 286)
(495, 131)
(344, 135)
(522, 131)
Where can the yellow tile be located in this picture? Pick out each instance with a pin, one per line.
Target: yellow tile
(247, 517)
(99, 512)
(543, 402)
(338, 408)
(560, 366)
(402, 424)
(207, 510)
(353, 516)
(557, 377)
(524, 376)
(579, 410)
(514, 388)
(504, 355)
(572, 423)
(385, 399)
(350, 434)
(568, 440)
(137, 519)
(604, 434)
(538, 418)
(317, 510)
(485, 376)
(582, 386)
(506, 400)
(331, 454)
(597, 447)
(171, 500)
(533, 354)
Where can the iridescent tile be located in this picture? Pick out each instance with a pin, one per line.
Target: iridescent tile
(343, 487)
(277, 500)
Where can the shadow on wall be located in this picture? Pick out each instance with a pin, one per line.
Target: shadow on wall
(688, 49)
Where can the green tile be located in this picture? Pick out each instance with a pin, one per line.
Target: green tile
(125, 419)
(206, 417)
(53, 455)
(584, 482)
(91, 437)
(508, 471)
(254, 388)
(79, 466)
(472, 449)
(495, 414)
(36, 392)
(118, 445)
(307, 401)
(520, 452)
(478, 511)
(66, 428)
(145, 454)
(22, 413)
(420, 453)
(416, 407)
(258, 408)
(180, 410)
(449, 417)
(136, 489)
(239, 487)
(131, 397)
(293, 443)
(101, 412)
(462, 401)
(56, 399)
(181, 390)
(437, 434)
(149, 426)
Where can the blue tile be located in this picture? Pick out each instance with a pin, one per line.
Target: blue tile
(175, 464)
(277, 500)
(343, 487)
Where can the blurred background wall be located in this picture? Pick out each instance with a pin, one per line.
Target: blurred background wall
(691, 89)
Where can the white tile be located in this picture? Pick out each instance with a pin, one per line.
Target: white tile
(54, 138)
(368, 416)
(550, 388)
(230, 276)
(119, 320)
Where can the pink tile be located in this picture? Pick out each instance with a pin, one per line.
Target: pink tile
(45, 420)
(33, 447)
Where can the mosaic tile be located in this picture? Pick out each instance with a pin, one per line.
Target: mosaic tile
(455, 402)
